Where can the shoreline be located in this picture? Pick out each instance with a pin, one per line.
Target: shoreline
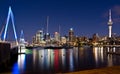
(105, 70)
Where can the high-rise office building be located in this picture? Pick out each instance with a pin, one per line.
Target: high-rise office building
(57, 36)
(47, 37)
(39, 36)
(34, 40)
(71, 35)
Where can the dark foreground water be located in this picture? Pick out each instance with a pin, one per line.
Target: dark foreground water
(64, 60)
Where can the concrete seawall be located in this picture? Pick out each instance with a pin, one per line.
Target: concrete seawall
(4, 54)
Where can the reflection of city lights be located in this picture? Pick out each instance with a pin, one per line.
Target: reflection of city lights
(98, 54)
(110, 62)
(81, 51)
(113, 49)
(56, 60)
(95, 54)
(41, 59)
(71, 60)
(34, 56)
(21, 61)
(63, 57)
(46, 59)
(108, 49)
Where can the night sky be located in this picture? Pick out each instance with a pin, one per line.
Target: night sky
(86, 17)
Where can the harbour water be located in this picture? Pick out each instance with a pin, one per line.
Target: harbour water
(64, 60)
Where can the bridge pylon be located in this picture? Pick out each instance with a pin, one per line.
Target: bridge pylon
(10, 15)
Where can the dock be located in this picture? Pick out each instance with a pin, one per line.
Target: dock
(114, 53)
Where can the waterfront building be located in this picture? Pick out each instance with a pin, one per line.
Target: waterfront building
(39, 36)
(63, 40)
(71, 35)
(33, 40)
(47, 37)
(71, 38)
(95, 37)
(38, 39)
(57, 36)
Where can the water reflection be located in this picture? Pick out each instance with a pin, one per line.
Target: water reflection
(15, 69)
(64, 60)
(110, 62)
(41, 59)
(71, 64)
(19, 66)
(63, 56)
(21, 61)
(98, 55)
(56, 60)
(34, 58)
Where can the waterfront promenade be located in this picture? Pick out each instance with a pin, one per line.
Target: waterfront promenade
(107, 70)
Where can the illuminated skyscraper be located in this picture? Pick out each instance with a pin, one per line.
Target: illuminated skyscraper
(71, 34)
(57, 36)
(39, 36)
(47, 34)
(34, 40)
(47, 37)
(110, 24)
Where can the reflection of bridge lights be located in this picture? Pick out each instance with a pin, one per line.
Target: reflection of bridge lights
(21, 61)
(15, 69)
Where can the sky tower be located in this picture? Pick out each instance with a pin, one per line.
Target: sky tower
(110, 24)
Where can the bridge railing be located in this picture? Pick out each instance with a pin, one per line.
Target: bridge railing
(13, 44)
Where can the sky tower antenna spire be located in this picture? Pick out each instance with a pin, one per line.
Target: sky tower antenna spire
(110, 24)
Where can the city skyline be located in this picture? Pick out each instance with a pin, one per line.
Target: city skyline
(85, 17)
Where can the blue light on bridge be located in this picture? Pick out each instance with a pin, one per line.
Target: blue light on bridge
(10, 15)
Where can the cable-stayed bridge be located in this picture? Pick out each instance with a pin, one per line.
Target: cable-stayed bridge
(14, 44)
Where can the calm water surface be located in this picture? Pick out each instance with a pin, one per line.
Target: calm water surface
(64, 60)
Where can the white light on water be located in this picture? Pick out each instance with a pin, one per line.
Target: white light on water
(21, 61)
